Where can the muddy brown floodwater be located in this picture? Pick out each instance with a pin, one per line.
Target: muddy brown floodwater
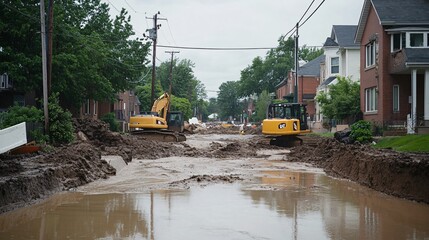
(257, 197)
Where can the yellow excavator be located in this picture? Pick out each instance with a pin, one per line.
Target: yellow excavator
(285, 122)
(160, 124)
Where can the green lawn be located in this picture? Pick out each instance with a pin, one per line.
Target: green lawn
(408, 143)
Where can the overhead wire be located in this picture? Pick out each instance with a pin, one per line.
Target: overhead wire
(217, 48)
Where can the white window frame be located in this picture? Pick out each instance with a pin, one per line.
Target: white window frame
(395, 98)
(86, 109)
(95, 107)
(370, 53)
(401, 42)
(371, 100)
(338, 65)
(425, 39)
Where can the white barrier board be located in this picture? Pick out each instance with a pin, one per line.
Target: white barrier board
(12, 137)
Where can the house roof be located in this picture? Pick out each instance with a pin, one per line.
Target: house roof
(344, 35)
(417, 56)
(328, 81)
(394, 13)
(330, 43)
(311, 68)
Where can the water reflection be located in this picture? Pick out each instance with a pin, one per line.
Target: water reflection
(286, 205)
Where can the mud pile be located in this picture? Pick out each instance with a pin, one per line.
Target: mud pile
(25, 179)
(399, 174)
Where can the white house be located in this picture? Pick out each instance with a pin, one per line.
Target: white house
(342, 58)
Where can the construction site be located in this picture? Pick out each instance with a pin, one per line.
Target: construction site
(216, 164)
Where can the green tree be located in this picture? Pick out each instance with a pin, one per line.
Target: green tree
(261, 106)
(212, 106)
(183, 105)
(93, 56)
(309, 53)
(342, 102)
(266, 73)
(144, 93)
(228, 100)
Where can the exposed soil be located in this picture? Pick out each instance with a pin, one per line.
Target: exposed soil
(25, 179)
(404, 175)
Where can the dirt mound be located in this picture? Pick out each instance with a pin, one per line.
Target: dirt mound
(206, 179)
(29, 179)
(399, 174)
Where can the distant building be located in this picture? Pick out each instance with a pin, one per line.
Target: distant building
(394, 44)
(342, 57)
(308, 80)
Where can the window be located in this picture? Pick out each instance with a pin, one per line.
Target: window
(371, 99)
(335, 65)
(395, 98)
(95, 107)
(416, 39)
(86, 109)
(370, 54)
(397, 41)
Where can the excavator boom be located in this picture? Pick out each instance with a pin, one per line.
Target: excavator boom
(159, 124)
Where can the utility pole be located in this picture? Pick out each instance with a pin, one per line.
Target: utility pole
(50, 32)
(44, 70)
(153, 34)
(295, 94)
(171, 69)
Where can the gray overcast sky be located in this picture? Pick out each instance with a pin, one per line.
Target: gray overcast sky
(233, 23)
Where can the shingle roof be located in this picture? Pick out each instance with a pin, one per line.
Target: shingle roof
(328, 81)
(400, 12)
(311, 68)
(344, 35)
(330, 43)
(417, 55)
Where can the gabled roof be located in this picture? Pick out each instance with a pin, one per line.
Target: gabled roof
(311, 68)
(400, 12)
(344, 35)
(395, 13)
(330, 43)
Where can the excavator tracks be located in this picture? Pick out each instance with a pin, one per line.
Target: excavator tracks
(161, 135)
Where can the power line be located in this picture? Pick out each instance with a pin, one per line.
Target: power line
(111, 4)
(311, 4)
(218, 48)
(130, 6)
(312, 13)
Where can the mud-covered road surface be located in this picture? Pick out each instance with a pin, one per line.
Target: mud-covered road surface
(205, 158)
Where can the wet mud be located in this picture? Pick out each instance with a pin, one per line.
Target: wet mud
(404, 175)
(205, 158)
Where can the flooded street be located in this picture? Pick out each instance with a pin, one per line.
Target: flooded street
(202, 198)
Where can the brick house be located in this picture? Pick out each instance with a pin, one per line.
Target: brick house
(394, 43)
(341, 59)
(126, 105)
(308, 80)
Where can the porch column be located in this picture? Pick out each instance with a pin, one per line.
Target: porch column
(412, 116)
(426, 102)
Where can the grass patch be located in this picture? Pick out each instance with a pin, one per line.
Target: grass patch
(409, 143)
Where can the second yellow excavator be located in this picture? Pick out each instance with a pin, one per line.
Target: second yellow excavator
(285, 122)
(159, 124)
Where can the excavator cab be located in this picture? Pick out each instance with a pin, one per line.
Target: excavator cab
(175, 121)
(285, 122)
(160, 123)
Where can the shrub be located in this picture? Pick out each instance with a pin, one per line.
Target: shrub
(60, 122)
(361, 131)
(31, 115)
(111, 120)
